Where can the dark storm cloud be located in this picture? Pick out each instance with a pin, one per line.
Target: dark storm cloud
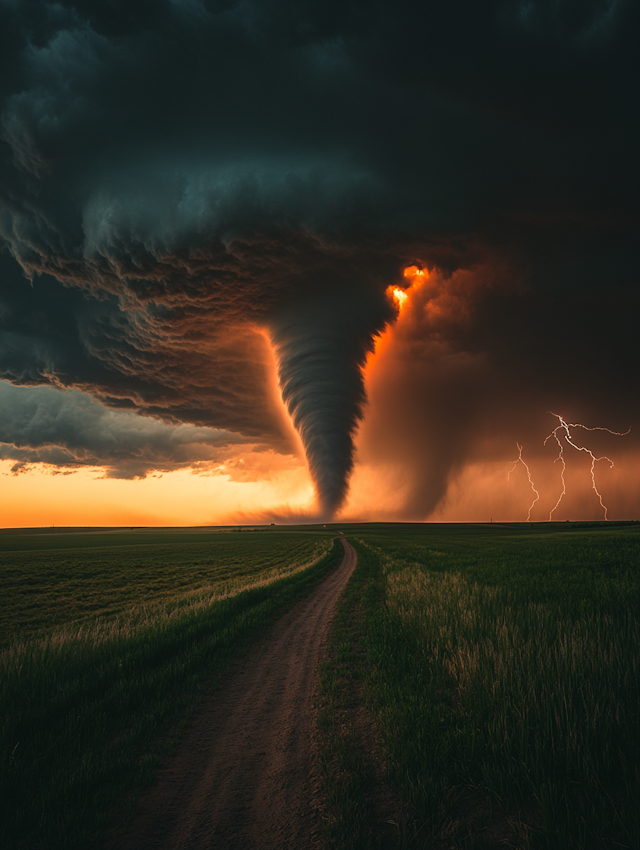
(183, 365)
(484, 355)
(44, 425)
(182, 173)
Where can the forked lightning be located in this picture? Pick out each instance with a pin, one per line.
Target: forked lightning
(521, 460)
(562, 432)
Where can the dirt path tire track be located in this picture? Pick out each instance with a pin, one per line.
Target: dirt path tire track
(242, 777)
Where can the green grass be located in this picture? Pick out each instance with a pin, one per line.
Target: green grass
(357, 816)
(501, 666)
(498, 664)
(89, 705)
(50, 581)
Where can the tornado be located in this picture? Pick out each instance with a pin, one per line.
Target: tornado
(321, 347)
(179, 184)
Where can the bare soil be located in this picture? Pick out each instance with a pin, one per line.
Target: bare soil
(244, 776)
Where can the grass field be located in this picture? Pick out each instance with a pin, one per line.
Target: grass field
(482, 688)
(501, 666)
(51, 581)
(108, 642)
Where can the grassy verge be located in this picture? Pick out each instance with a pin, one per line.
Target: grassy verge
(87, 715)
(360, 812)
(503, 678)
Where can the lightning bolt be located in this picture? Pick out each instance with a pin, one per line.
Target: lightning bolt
(521, 460)
(565, 434)
(562, 432)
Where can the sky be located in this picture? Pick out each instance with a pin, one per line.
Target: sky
(264, 261)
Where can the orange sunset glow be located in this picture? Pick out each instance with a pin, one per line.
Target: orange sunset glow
(400, 296)
(182, 498)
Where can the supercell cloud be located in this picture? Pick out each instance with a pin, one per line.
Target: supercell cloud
(187, 187)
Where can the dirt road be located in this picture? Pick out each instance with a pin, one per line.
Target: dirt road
(242, 777)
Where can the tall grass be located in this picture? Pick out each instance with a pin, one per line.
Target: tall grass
(510, 711)
(540, 708)
(87, 713)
